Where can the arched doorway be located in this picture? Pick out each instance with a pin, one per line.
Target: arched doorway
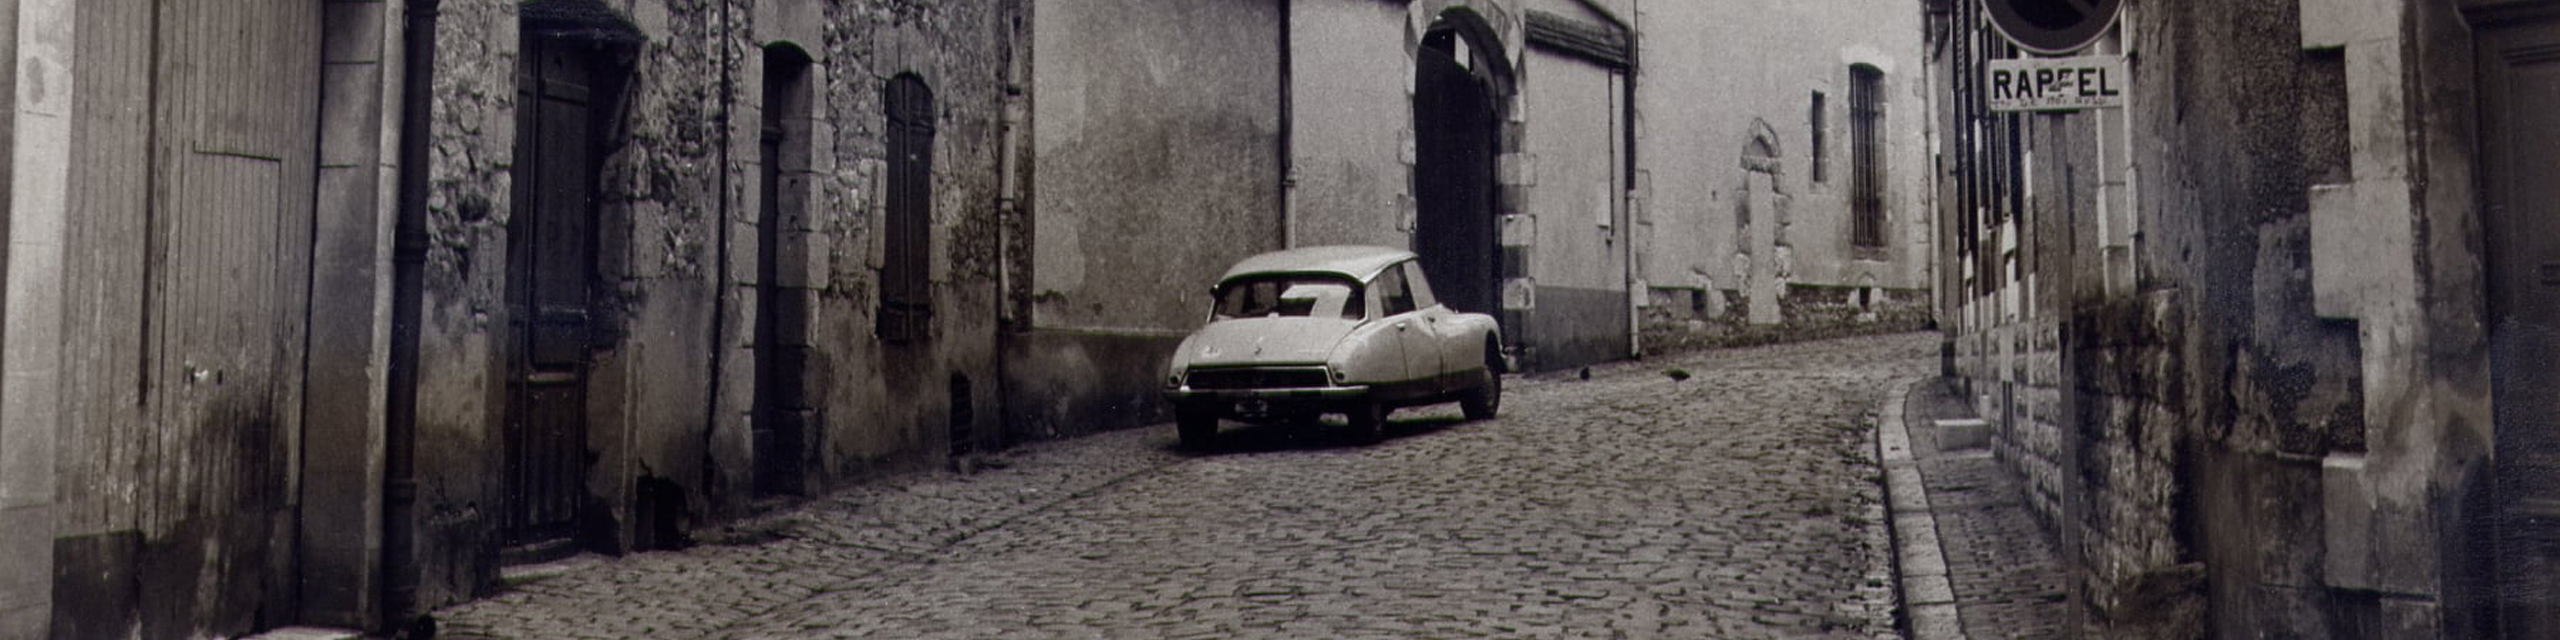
(783, 438)
(1461, 80)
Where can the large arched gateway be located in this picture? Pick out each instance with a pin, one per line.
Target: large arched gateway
(1461, 85)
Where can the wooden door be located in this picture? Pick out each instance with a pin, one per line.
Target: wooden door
(906, 294)
(226, 279)
(2520, 136)
(1454, 128)
(551, 270)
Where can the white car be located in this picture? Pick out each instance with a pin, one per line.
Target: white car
(1341, 329)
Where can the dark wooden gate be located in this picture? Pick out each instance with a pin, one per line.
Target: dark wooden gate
(551, 268)
(1453, 179)
(782, 415)
(2520, 131)
(906, 293)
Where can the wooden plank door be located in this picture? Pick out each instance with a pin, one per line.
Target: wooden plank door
(2520, 135)
(551, 270)
(234, 104)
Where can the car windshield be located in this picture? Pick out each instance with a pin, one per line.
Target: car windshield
(1298, 296)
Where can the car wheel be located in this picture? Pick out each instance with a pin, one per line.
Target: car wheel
(1368, 422)
(1199, 427)
(1486, 399)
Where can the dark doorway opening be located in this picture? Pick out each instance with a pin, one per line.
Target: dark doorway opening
(906, 291)
(1866, 156)
(551, 280)
(783, 416)
(2519, 125)
(1457, 135)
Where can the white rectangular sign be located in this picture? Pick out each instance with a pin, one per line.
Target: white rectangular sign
(2058, 84)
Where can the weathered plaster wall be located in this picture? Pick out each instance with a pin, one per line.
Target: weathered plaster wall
(1576, 203)
(462, 319)
(1574, 132)
(1157, 134)
(1350, 123)
(1710, 70)
(1157, 121)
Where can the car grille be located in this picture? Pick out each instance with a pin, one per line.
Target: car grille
(1298, 378)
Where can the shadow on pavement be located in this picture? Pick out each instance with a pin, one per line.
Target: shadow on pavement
(1242, 438)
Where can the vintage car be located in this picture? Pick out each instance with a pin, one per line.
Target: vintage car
(1351, 330)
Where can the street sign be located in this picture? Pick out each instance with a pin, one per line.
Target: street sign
(2052, 27)
(2057, 84)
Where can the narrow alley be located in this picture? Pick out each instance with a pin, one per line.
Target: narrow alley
(1720, 494)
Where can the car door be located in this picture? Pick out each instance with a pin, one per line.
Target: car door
(1407, 327)
(1448, 336)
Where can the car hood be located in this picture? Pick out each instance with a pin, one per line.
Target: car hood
(1266, 341)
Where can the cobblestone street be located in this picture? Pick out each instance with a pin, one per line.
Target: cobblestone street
(1721, 494)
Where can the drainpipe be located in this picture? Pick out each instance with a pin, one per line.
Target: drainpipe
(1009, 321)
(1288, 165)
(724, 38)
(408, 262)
(1627, 106)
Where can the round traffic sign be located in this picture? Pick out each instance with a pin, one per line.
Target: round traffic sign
(2052, 26)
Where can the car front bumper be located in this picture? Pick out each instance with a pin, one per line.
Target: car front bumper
(1320, 394)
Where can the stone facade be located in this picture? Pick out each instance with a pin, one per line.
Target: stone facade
(1257, 127)
(2234, 334)
(669, 405)
(1747, 125)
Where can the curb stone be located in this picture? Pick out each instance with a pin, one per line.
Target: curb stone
(1928, 600)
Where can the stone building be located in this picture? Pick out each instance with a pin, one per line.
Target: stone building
(1489, 136)
(1546, 173)
(2271, 344)
(1785, 171)
(320, 312)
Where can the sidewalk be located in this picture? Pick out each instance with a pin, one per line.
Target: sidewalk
(2002, 574)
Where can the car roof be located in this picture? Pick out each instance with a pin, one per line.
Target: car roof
(1358, 262)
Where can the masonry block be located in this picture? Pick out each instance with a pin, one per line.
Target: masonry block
(1964, 434)
(2333, 23)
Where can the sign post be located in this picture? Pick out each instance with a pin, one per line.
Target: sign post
(2057, 84)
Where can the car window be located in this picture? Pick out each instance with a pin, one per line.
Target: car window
(1422, 298)
(1393, 296)
(1288, 296)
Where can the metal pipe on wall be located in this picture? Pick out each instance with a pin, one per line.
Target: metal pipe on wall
(408, 262)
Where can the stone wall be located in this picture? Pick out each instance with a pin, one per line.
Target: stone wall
(1157, 164)
(1681, 319)
(671, 386)
(2239, 347)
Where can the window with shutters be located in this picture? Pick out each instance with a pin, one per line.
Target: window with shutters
(906, 291)
(1866, 156)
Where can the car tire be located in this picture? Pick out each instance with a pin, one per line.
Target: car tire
(1198, 427)
(1368, 422)
(1485, 400)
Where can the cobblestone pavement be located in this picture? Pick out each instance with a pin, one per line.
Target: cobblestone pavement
(1739, 502)
(2005, 571)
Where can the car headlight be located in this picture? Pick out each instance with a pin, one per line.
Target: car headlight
(1174, 380)
(1338, 376)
